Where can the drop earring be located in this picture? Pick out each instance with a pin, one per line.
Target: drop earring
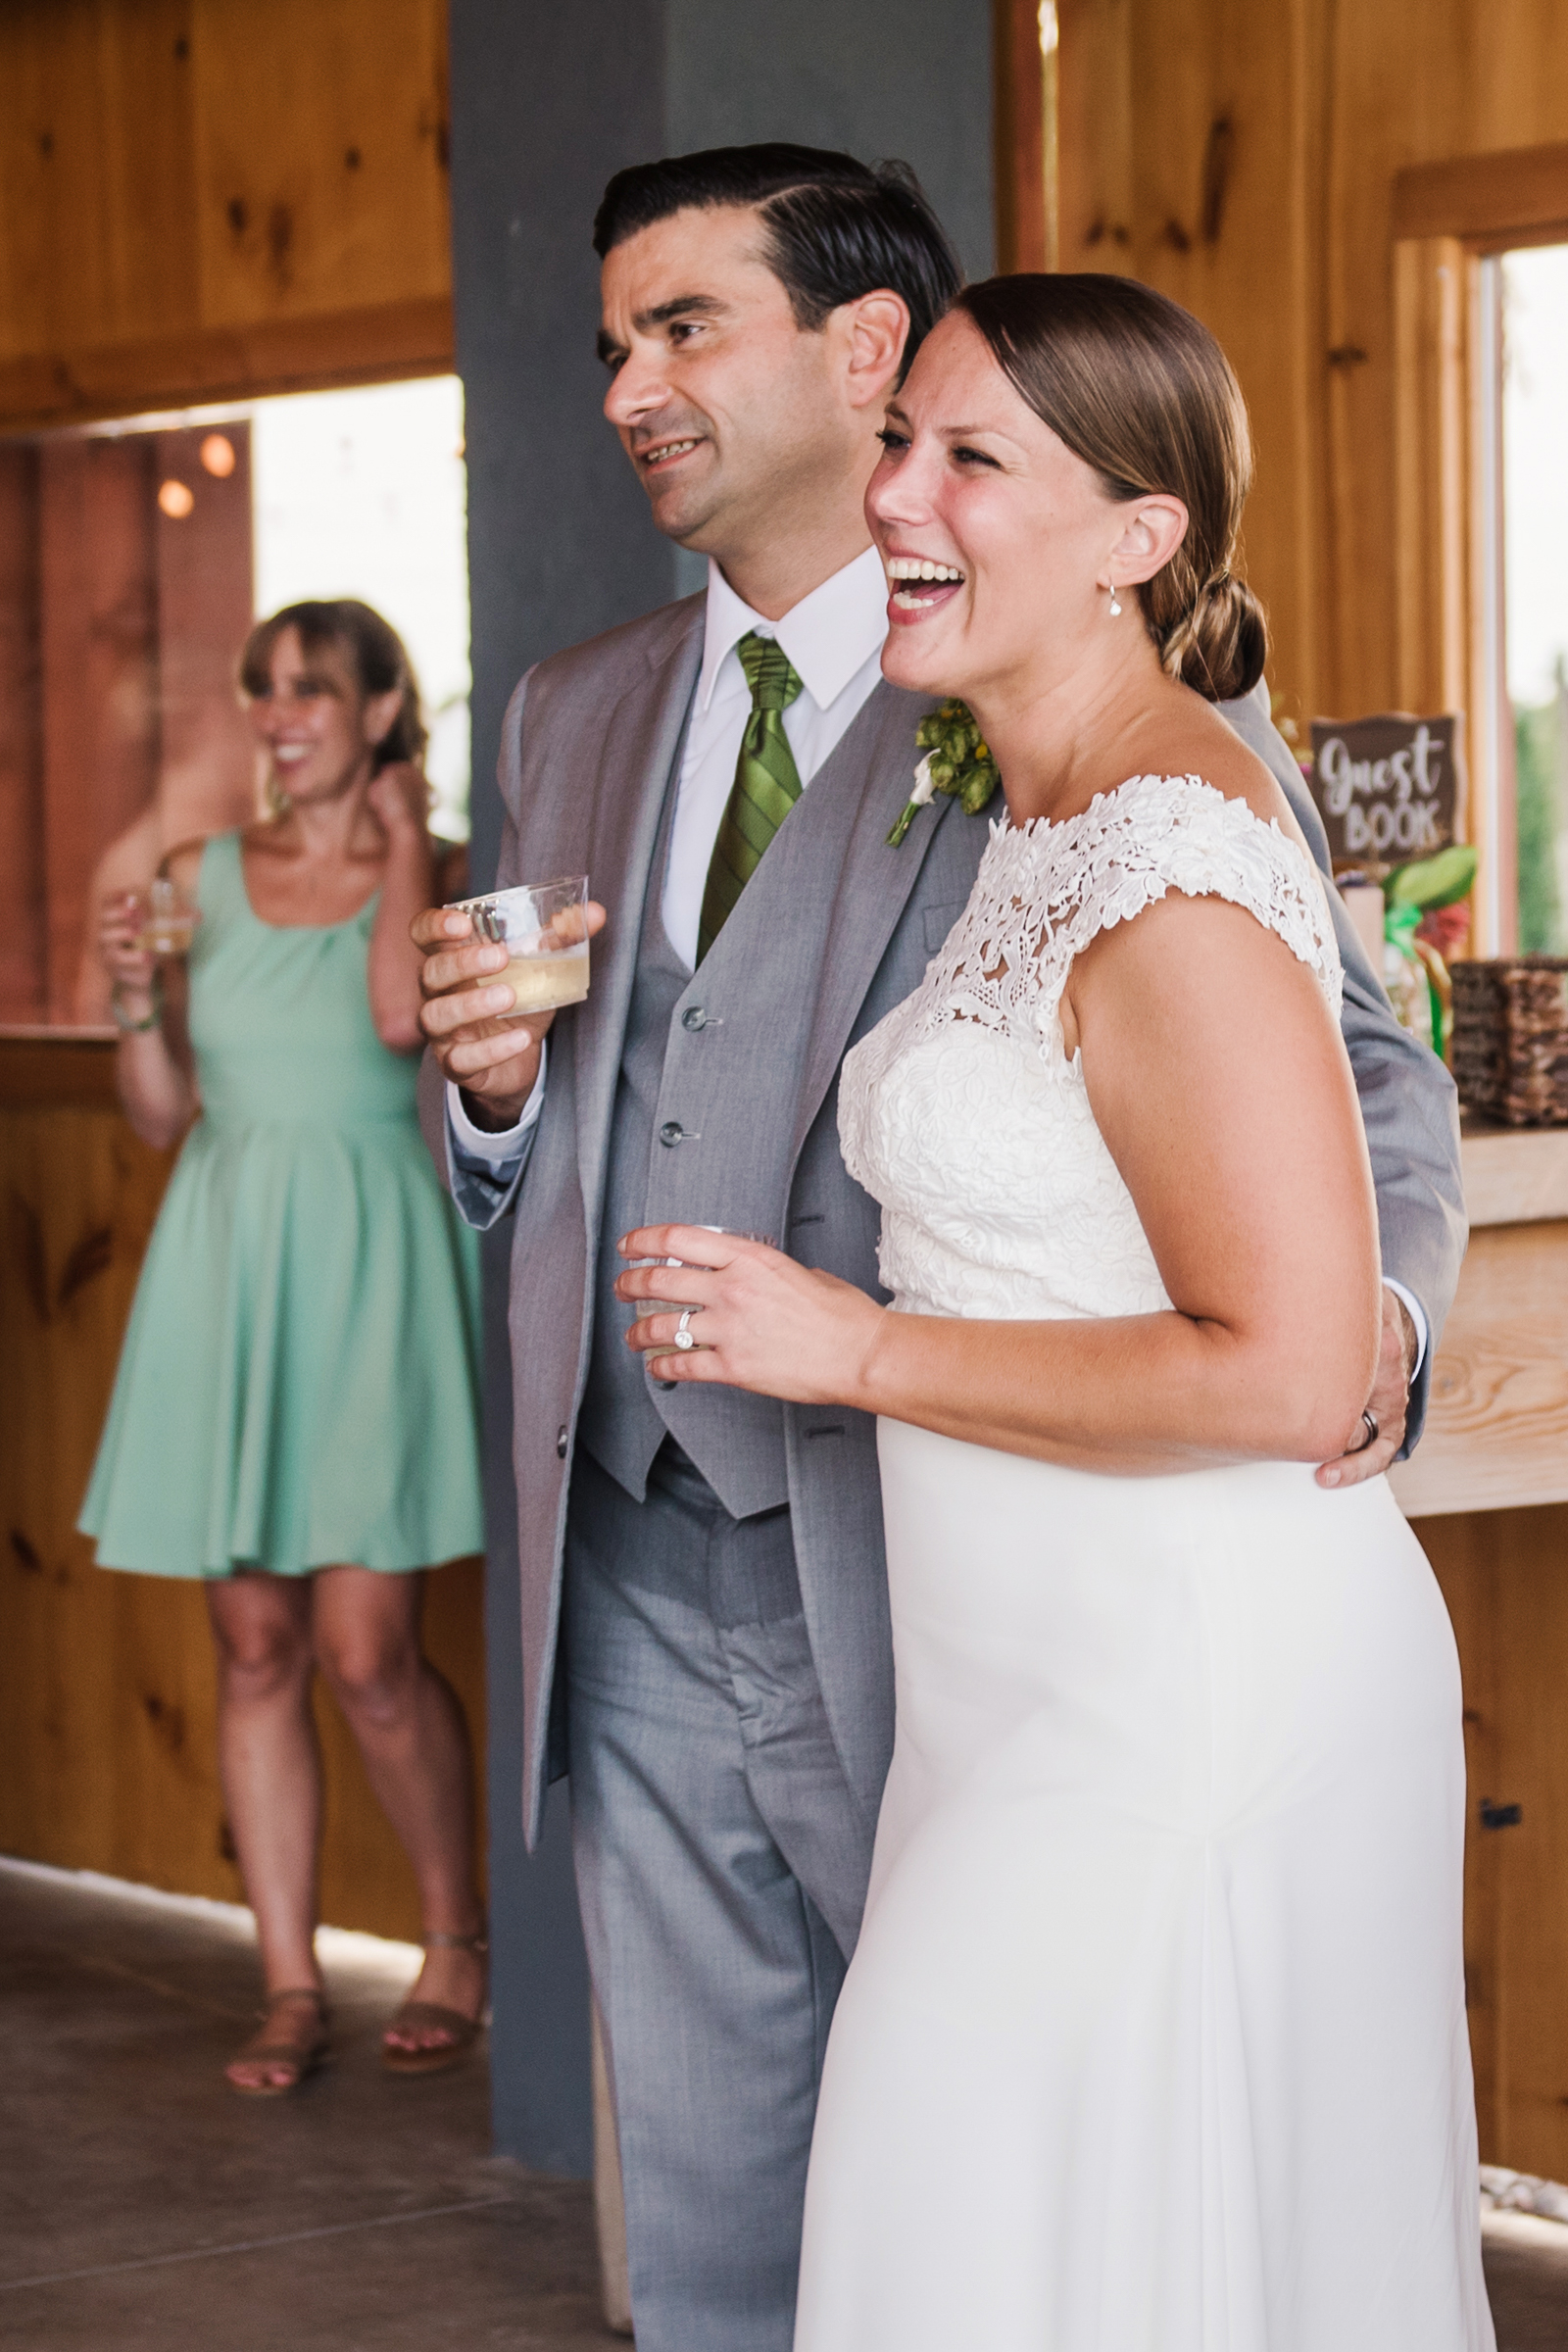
(1115, 606)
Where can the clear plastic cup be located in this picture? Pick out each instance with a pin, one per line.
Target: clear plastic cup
(544, 928)
(167, 919)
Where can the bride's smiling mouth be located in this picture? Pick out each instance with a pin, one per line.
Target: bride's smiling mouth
(918, 585)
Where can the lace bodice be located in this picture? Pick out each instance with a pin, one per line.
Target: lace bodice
(961, 1114)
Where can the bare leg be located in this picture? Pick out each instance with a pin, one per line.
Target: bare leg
(272, 1778)
(415, 1743)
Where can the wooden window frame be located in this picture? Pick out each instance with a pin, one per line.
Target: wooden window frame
(1452, 222)
(1023, 138)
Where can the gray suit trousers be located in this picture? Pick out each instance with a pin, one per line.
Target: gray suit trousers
(722, 1865)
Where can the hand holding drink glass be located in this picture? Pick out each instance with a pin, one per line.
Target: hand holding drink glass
(544, 928)
(139, 929)
(740, 1311)
(168, 918)
(497, 969)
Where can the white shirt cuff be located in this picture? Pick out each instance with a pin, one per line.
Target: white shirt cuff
(496, 1145)
(1418, 1317)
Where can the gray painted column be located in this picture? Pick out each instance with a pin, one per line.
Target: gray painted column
(547, 102)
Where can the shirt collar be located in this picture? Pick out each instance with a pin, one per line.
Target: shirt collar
(827, 636)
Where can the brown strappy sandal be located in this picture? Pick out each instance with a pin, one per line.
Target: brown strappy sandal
(464, 2031)
(303, 2061)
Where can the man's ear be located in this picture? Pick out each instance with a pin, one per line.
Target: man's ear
(878, 325)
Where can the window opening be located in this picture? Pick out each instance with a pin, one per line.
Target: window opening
(133, 558)
(1531, 287)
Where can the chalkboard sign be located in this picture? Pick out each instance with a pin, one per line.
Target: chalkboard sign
(1387, 789)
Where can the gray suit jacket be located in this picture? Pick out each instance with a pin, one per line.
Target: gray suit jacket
(590, 742)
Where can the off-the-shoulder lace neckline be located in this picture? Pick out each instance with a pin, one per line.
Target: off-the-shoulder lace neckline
(1003, 828)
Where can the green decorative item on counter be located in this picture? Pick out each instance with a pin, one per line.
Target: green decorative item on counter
(1410, 893)
(957, 761)
(1428, 882)
(1409, 985)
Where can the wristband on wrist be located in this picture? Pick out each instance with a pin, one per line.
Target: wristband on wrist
(123, 1020)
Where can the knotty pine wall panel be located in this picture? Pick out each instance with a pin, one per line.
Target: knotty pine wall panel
(108, 1757)
(331, 190)
(99, 645)
(1242, 161)
(203, 199)
(24, 970)
(1505, 1576)
(97, 189)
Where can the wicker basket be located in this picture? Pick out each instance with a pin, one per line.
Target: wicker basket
(1510, 1039)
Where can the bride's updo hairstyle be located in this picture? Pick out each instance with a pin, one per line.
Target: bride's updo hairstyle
(1140, 391)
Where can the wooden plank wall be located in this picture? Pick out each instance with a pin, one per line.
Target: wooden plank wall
(212, 198)
(1242, 160)
(24, 893)
(1505, 1576)
(107, 1695)
(120, 630)
(98, 616)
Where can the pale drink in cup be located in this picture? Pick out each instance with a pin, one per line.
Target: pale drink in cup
(544, 928)
(167, 919)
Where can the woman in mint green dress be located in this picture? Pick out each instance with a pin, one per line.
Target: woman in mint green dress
(296, 1414)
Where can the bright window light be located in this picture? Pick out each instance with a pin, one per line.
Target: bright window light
(365, 494)
(1535, 503)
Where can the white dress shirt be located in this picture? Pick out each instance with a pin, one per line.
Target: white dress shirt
(833, 639)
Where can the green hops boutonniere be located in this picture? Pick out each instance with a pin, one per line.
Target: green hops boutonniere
(957, 761)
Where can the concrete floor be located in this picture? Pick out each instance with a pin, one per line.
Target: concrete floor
(146, 2209)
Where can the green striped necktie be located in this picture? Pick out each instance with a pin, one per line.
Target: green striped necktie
(766, 785)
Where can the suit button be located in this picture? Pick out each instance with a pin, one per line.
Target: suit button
(694, 1017)
(560, 1441)
(671, 1133)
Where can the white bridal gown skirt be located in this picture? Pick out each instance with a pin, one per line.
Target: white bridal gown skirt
(1154, 2040)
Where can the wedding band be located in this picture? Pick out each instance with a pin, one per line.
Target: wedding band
(683, 1331)
(1371, 1437)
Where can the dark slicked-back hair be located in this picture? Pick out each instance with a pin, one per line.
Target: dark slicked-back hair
(836, 228)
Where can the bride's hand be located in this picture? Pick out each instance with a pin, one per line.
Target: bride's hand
(764, 1322)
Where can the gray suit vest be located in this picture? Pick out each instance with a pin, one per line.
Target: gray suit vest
(705, 1098)
(619, 1421)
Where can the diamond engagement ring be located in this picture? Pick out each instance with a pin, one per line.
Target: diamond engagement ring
(683, 1329)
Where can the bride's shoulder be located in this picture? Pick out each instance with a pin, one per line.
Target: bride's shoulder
(1206, 754)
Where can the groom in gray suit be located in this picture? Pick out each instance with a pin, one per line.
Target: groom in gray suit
(705, 1619)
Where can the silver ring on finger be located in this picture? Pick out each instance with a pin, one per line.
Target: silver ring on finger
(683, 1329)
(1371, 1437)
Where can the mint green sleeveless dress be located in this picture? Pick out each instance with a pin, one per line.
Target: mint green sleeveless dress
(299, 1383)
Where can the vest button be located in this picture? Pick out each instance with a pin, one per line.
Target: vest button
(694, 1017)
(560, 1441)
(671, 1133)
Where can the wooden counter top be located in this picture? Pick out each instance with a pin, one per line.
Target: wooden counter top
(57, 1065)
(1514, 1175)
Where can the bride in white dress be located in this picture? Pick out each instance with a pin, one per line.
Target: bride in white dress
(1155, 2038)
